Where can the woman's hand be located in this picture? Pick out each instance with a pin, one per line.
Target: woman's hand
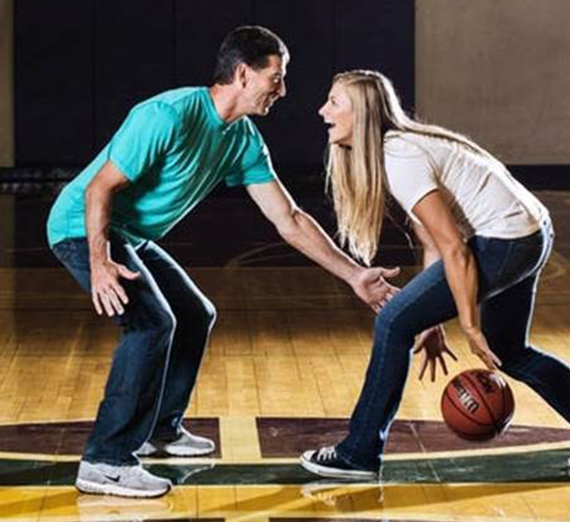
(434, 345)
(480, 347)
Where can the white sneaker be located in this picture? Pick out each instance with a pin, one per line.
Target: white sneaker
(186, 445)
(123, 481)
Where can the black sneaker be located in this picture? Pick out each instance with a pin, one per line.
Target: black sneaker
(326, 462)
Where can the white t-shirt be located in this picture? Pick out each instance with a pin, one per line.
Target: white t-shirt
(483, 196)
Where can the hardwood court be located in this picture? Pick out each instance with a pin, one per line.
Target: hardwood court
(282, 373)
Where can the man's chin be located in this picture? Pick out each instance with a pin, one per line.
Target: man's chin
(259, 111)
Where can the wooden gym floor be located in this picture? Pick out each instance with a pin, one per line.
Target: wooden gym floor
(282, 373)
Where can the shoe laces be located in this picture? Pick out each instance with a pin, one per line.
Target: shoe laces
(327, 453)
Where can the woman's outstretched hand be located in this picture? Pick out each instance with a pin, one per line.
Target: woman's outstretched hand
(434, 345)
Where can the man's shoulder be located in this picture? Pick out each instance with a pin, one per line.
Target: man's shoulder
(178, 101)
(247, 128)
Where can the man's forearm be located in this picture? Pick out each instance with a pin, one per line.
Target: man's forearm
(306, 235)
(97, 221)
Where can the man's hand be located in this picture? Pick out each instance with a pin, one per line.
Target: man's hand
(107, 293)
(371, 286)
(434, 345)
(480, 348)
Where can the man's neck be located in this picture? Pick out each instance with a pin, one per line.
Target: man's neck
(225, 102)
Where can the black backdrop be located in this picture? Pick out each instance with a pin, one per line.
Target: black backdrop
(81, 64)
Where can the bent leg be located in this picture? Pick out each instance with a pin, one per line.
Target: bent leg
(128, 410)
(505, 321)
(423, 302)
(195, 316)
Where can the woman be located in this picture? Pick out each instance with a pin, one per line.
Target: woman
(491, 235)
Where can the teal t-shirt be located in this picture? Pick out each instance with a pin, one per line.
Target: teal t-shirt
(175, 149)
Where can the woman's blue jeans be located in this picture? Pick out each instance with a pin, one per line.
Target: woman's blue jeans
(164, 332)
(508, 276)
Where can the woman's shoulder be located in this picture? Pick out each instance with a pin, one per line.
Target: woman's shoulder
(405, 144)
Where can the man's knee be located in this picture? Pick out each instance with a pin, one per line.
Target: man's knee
(208, 314)
(156, 322)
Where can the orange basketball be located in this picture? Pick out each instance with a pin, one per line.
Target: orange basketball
(477, 405)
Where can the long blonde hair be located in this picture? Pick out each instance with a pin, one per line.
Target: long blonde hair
(355, 175)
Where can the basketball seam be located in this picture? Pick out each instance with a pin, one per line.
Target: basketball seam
(460, 410)
(489, 410)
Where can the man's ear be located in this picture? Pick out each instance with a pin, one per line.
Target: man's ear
(241, 74)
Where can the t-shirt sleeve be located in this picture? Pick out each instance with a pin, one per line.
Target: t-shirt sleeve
(143, 139)
(409, 173)
(254, 165)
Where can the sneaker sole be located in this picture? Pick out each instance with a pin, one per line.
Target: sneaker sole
(176, 452)
(324, 471)
(96, 488)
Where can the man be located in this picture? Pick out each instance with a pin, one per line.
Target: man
(170, 152)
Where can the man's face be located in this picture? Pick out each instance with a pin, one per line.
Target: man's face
(263, 87)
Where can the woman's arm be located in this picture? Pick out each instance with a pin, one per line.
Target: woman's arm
(432, 342)
(460, 269)
(430, 253)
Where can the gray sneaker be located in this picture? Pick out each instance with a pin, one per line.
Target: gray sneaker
(123, 481)
(186, 445)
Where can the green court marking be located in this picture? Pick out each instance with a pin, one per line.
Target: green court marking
(540, 466)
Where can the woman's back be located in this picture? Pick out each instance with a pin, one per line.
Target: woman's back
(482, 195)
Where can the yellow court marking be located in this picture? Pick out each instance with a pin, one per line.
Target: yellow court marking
(441, 503)
(239, 440)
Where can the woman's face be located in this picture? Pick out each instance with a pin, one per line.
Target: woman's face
(338, 115)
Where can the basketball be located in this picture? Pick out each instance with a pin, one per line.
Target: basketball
(477, 405)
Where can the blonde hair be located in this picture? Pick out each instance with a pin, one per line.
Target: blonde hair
(355, 175)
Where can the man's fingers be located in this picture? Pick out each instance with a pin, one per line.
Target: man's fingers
(115, 302)
(96, 303)
(119, 291)
(104, 299)
(128, 274)
(390, 272)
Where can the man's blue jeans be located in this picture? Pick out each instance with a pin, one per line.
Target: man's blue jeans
(508, 275)
(164, 332)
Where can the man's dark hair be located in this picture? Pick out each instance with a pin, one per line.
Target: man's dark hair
(249, 44)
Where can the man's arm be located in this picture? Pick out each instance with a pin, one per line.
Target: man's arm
(301, 231)
(107, 293)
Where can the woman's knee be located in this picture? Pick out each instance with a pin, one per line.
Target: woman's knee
(394, 328)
